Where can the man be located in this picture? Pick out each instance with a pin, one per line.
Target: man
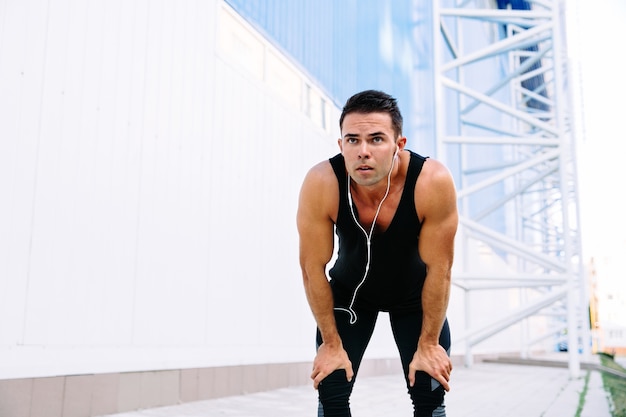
(395, 215)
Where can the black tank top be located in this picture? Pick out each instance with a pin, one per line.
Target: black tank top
(396, 275)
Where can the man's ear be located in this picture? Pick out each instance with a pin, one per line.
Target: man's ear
(340, 143)
(401, 142)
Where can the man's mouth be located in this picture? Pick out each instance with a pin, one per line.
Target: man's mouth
(364, 168)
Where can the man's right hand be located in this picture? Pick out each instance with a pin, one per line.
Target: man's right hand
(329, 358)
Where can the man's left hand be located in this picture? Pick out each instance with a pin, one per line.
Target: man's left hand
(433, 360)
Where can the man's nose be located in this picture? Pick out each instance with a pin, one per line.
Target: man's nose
(364, 151)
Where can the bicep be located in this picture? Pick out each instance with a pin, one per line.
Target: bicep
(440, 221)
(315, 226)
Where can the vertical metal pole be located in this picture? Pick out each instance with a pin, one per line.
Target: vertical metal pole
(438, 90)
(573, 75)
(566, 161)
(469, 359)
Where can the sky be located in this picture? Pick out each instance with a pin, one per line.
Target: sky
(595, 32)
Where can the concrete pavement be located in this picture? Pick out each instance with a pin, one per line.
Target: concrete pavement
(485, 389)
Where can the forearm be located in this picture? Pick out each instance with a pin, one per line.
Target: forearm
(320, 298)
(331, 355)
(435, 296)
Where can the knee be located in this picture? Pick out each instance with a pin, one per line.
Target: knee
(427, 396)
(334, 395)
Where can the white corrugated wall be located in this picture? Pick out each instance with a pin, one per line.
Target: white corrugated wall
(149, 172)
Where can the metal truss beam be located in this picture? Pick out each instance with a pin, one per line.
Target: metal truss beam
(503, 126)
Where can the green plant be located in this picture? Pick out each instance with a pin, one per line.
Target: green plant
(615, 385)
(583, 395)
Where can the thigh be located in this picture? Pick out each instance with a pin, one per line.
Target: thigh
(406, 329)
(426, 394)
(335, 390)
(354, 337)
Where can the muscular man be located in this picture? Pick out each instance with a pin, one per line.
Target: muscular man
(395, 215)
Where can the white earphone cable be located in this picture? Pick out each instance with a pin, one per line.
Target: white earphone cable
(368, 237)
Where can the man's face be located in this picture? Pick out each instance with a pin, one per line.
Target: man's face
(368, 145)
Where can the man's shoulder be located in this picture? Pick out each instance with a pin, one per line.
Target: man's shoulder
(434, 176)
(322, 168)
(319, 196)
(434, 169)
(322, 174)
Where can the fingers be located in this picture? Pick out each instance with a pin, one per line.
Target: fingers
(443, 376)
(444, 382)
(349, 372)
(330, 358)
(317, 380)
(318, 375)
(440, 378)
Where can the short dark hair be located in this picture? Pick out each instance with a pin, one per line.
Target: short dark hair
(373, 101)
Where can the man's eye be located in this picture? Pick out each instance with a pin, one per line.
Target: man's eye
(377, 139)
(351, 140)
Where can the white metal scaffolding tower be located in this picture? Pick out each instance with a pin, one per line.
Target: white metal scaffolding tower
(504, 129)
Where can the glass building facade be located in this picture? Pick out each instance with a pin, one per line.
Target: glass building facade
(349, 46)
